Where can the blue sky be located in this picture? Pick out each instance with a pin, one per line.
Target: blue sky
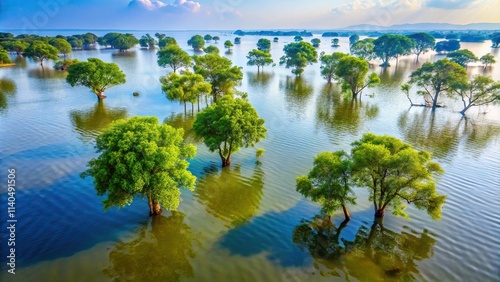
(238, 14)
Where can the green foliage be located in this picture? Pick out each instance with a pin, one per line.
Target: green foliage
(4, 57)
(298, 38)
(353, 39)
(187, 87)
(65, 64)
(40, 50)
(174, 57)
(315, 42)
(437, 77)
(447, 46)
(487, 59)
(264, 44)
(147, 41)
(352, 72)
(165, 41)
(390, 46)
(118, 40)
(160, 36)
(259, 58)
(212, 49)
(62, 45)
(276, 39)
(237, 40)
(139, 157)
(96, 75)
(260, 152)
(481, 90)
(329, 64)
(197, 42)
(228, 45)
(216, 39)
(335, 42)
(423, 43)
(75, 42)
(89, 39)
(228, 125)
(396, 175)
(207, 37)
(462, 57)
(328, 182)
(17, 46)
(298, 56)
(363, 49)
(219, 72)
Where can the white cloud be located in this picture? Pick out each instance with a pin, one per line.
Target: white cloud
(178, 6)
(366, 5)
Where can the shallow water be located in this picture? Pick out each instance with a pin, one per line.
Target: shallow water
(246, 222)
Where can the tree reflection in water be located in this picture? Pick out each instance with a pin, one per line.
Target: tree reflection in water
(230, 196)
(375, 254)
(261, 78)
(186, 123)
(7, 89)
(342, 114)
(91, 122)
(158, 252)
(297, 92)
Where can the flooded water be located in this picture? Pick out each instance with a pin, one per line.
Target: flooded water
(245, 222)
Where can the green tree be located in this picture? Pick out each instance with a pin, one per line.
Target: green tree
(437, 77)
(40, 50)
(315, 42)
(174, 57)
(363, 49)
(487, 59)
(139, 157)
(119, 41)
(447, 46)
(147, 41)
(298, 56)
(259, 58)
(423, 43)
(197, 42)
(264, 44)
(89, 39)
(328, 182)
(160, 36)
(219, 72)
(62, 45)
(495, 40)
(228, 45)
(298, 38)
(65, 64)
(276, 39)
(329, 64)
(352, 72)
(212, 50)
(165, 41)
(335, 42)
(4, 56)
(96, 75)
(390, 46)
(17, 46)
(481, 90)
(353, 39)
(237, 40)
(75, 42)
(228, 125)
(216, 39)
(396, 174)
(187, 87)
(462, 57)
(207, 37)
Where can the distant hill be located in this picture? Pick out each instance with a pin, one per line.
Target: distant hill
(426, 26)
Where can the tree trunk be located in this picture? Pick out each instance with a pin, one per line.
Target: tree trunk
(380, 213)
(226, 161)
(100, 96)
(185, 108)
(434, 102)
(347, 216)
(154, 206)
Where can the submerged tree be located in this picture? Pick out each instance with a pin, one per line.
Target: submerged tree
(140, 157)
(62, 45)
(487, 60)
(352, 73)
(96, 75)
(40, 50)
(264, 44)
(315, 42)
(363, 49)
(481, 90)
(187, 87)
(228, 125)
(212, 50)
(462, 57)
(396, 174)
(329, 64)
(298, 56)
(423, 43)
(328, 182)
(259, 58)
(228, 45)
(435, 78)
(174, 57)
(197, 42)
(147, 41)
(390, 46)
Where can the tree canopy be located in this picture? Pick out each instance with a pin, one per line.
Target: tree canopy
(212, 49)
(147, 41)
(298, 38)
(207, 37)
(4, 56)
(40, 50)
(335, 42)
(481, 90)
(174, 57)
(219, 72)
(187, 87)
(487, 59)
(197, 42)
(423, 43)
(396, 175)
(259, 58)
(328, 182)
(96, 75)
(462, 57)
(264, 44)
(216, 39)
(62, 45)
(352, 73)
(315, 42)
(17, 45)
(329, 64)
(363, 49)
(165, 41)
(447, 46)
(228, 44)
(353, 39)
(118, 41)
(139, 157)
(390, 46)
(228, 125)
(298, 56)
(237, 40)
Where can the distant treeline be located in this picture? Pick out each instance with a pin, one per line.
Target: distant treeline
(274, 33)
